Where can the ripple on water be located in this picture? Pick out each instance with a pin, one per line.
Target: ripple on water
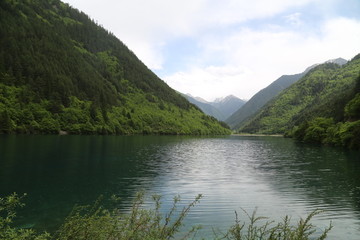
(273, 175)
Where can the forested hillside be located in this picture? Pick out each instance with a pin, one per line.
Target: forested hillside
(260, 99)
(236, 120)
(339, 127)
(59, 70)
(328, 96)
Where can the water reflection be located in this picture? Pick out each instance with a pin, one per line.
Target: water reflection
(275, 175)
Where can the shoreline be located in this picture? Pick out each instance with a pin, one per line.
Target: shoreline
(256, 135)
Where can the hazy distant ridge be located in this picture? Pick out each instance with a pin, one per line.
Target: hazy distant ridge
(221, 108)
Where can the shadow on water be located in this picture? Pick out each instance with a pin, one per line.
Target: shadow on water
(58, 172)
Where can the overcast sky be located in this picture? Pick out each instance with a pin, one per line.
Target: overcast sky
(214, 48)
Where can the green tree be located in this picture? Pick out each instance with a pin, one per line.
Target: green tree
(349, 134)
(6, 124)
(49, 125)
(8, 207)
(352, 109)
(317, 130)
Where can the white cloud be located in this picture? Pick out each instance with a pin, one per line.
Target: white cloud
(149, 54)
(212, 81)
(341, 37)
(235, 11)
(294, 19)
(266, 55)
(234, 58)
(142, 24)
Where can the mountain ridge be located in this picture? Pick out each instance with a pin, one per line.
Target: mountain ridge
(322, 92)
(228, 105)
(262, 97)
(205, 107)
(60, 71)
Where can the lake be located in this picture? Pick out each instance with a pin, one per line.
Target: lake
(274, 175)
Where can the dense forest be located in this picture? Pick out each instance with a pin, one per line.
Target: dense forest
(62, 72)
(343, 129)
(322, 107)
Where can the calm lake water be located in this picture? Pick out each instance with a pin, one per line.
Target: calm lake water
(274, 175)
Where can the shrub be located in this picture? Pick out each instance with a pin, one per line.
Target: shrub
(7, 215)
(317, 130)
(352, 109)
(95, 222)
(350, 134)
(140, 223)
(255, 230)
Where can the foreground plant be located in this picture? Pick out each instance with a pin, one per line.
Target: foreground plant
(95, 222)
(255, 230)
(7, 215)
(140, 223)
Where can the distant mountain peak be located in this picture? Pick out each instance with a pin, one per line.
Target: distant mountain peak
(217, 100)
(227, 98)
(340, 61)
(231, 96)
(220, 108)
(201, 100)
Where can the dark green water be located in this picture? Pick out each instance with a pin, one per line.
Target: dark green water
(277, 176)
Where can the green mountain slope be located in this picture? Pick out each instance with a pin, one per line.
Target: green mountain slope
(61, 71)
(328, 130)
(260, 99)
(323, 92)
(236, 120)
